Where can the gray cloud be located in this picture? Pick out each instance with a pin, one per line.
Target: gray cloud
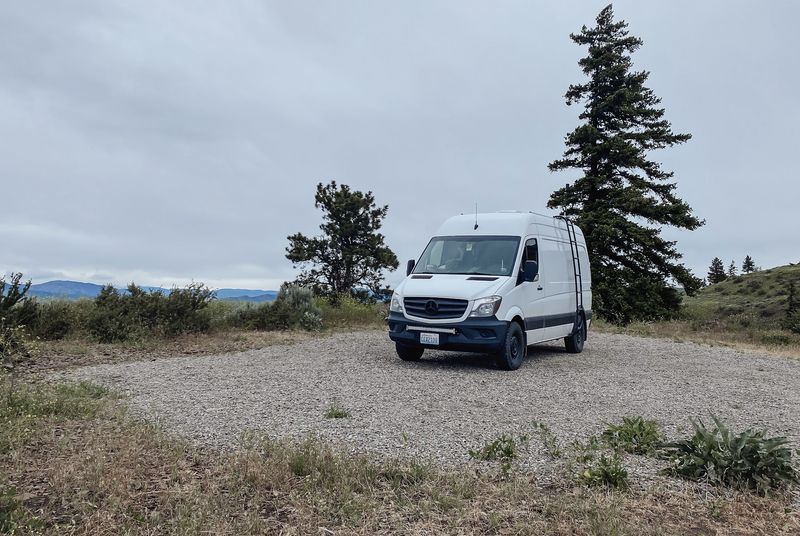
(170, 141)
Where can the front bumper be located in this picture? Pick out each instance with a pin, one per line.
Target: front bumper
(483, 335)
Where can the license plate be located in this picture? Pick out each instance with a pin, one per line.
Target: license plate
(429, 338)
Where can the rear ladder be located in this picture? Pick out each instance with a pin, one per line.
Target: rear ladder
(576, 267)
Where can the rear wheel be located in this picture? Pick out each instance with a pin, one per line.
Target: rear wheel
(514, 349)
(408, 353)
(574, 342)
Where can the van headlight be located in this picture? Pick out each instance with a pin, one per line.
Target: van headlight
(397, 303)
(486, 306)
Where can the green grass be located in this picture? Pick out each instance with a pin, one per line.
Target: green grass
(336, 411)
(352, 314)
(24, 408)
(757, 299)
(548, 439)
(503, 449)
(635, 435)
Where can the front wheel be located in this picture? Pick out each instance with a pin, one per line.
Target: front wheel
(514, 349)
(408, 353)
(574, 342)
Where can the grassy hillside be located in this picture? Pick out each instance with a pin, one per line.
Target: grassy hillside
(744, 312)
(757, 299)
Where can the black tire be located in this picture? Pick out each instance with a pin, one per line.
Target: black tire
(408, 353)
(514, 349)
(574, 342)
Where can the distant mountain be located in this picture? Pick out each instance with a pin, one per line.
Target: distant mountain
(75, 290)
(267, 296)
(72, 290)
(231, 293)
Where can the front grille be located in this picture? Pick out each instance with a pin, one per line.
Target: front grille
(435, 307)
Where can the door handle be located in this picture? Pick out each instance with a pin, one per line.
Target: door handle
(539, 287)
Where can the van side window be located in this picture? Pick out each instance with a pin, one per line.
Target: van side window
(529, 253)
(531, 250)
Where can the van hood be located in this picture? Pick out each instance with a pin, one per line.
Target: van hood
(457, 286)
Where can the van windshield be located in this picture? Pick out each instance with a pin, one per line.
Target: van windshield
(473, 255)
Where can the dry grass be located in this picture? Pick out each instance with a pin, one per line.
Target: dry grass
(748, 340)
(67, 353)
(93, 470)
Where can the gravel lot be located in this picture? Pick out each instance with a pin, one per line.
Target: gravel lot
(447, 403)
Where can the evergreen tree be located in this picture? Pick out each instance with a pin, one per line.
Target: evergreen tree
(716, 272)
(351, 252)
(732, 269)
(792, 320)
(622, 197)
(748, 266)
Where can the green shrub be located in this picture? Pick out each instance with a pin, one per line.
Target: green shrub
(311, 321)
(607, 471)
(747, 460)
(777, 339)
(503, 449)
(138, 313)
(14, 345)
(635, 435)
(792, 322)
(57, 319)
(293, 308)
(754, 284)
(182, 310)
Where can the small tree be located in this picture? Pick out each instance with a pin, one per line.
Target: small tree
(748, 266)
(351, 252)
(792, 320)
(15, 306)
(732, 269)
(16, 309)
(716, 272)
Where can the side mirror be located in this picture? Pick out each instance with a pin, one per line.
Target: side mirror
(410, 266)
(530, 271)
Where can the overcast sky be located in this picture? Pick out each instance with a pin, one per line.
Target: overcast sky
(165, 142)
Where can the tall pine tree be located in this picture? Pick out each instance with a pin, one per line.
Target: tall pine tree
(748, 265)
(622, 198)
(716, 272)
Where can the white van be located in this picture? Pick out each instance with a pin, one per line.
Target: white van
(495, 283)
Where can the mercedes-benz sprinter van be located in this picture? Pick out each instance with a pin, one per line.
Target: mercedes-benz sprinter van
(495, 283)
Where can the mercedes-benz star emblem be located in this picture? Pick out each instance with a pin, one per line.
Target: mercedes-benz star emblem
(431, 308)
